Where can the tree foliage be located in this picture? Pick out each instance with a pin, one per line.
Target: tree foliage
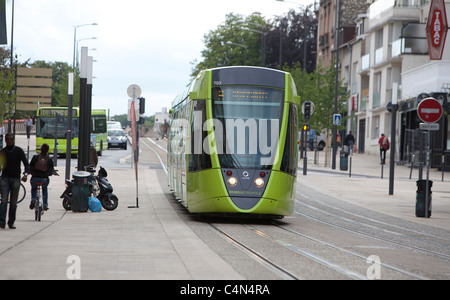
(293, 35)
(319, 88)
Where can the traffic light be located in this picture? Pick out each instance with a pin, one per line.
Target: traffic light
(307, 110)
(141, 105)
(306, 127)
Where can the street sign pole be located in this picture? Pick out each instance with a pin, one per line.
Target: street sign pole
(134, 91)
(429, 111)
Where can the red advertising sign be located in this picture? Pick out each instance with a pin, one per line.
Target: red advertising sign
(429, 110)
(437, 27)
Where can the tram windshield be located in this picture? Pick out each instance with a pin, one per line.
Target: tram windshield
(250, 119)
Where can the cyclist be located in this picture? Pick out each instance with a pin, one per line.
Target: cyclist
(41, 166)
(10, 158)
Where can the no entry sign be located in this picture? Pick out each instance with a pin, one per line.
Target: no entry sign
(429, 110)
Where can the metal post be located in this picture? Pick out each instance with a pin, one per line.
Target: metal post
(69, 126)
(393, 143)
(427, 185)
(88, 109)
(336, 92)
(83, 122)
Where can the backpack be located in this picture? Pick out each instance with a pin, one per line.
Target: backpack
(385, 143)
(41, 163)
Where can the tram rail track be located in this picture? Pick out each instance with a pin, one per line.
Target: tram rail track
(370, 228)
(392, 233)
(284, 273)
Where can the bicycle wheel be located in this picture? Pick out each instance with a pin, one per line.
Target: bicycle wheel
(22, 193)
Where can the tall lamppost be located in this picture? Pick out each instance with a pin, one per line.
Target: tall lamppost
(336, 87)
(240, 45)
(75, 45)
(263, 39)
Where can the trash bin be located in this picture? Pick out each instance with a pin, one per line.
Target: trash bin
(80, 191)
(343, 162)
(421, 198)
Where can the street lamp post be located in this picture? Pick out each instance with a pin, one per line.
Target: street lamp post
(336, 87)
(240, 45)
(263, 39)
(75, 45)
(263, 44)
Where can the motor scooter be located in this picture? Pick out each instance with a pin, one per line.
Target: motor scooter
(99, 187)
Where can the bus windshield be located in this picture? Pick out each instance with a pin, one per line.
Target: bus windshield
(45, 128)
(251, 122)
(52, 123)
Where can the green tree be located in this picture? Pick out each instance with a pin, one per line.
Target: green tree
(7, 83)
(319, 87)
(218, 53)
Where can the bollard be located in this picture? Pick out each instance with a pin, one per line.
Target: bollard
(421, 196)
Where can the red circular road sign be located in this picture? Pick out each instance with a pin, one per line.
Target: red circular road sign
(429, 110)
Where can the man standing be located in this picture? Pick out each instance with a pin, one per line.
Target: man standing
(10, 158)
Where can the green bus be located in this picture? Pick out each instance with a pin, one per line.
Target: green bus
(46, 129)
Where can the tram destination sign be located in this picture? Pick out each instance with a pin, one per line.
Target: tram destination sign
(429, 110)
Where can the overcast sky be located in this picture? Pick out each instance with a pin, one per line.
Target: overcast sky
(144, 42)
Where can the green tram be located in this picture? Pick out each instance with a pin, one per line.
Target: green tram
(233, 142)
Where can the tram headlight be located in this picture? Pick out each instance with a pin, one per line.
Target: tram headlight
(259, 182)
(232, 181)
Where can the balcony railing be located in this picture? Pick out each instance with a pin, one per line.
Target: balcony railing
(365, 62)
(409, 46)
(376, 99)
(379, 56)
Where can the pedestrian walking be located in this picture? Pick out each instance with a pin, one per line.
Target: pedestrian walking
(10, 158)
(384, 146)
(350, 141)
(28, 126)
(41, 167)
(93, 156)
(312, 138)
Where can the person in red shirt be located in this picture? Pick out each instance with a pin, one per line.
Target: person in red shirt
(384, 146)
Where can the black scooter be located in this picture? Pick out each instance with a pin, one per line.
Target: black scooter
(99, 187)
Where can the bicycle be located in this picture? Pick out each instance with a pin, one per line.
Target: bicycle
(38, 203)
(22, 193)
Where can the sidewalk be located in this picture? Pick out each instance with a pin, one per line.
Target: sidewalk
(366, 188)
(152, 242)
(149, 242)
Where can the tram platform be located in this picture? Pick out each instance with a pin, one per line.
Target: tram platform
(152, 242)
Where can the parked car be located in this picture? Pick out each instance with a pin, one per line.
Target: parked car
(117, 138)
(320, 140)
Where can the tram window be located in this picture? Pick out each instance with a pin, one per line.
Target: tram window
(198, 159)
(289, 162)
(251, 121)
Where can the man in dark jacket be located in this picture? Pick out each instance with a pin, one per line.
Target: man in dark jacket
(10, 158)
